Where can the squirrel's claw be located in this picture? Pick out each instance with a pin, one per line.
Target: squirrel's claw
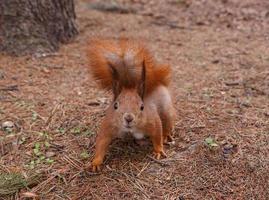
(95, 168)
(95, 165)
(159, 155)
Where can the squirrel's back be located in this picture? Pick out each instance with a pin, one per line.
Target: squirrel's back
(126, 56)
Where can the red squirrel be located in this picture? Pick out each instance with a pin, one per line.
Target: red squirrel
(142, 104)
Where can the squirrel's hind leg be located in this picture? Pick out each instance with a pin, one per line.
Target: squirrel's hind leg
(167, 118)
(157, 140)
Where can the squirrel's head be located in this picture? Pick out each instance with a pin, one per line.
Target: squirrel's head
(128, 109)
(128, 105)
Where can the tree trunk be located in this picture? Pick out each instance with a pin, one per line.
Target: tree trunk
(35, 26)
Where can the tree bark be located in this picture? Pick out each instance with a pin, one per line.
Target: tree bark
(36, 26)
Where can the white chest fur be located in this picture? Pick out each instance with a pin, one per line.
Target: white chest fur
(138, 135)
(135, 133)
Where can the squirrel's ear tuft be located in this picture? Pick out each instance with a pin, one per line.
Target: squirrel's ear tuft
(142, 84)
(116, 83)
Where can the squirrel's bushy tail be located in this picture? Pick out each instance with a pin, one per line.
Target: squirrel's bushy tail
(123, 59)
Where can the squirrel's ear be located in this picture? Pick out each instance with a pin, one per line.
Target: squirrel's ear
(115, 81)
(142, 84)
(116, 89)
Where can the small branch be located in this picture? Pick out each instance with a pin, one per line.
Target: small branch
(158, 161)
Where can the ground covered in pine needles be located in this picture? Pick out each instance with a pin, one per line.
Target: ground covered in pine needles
(50, 108)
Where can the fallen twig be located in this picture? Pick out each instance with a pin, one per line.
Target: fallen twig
(158, 161)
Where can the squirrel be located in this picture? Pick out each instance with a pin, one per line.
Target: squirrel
(142, 104)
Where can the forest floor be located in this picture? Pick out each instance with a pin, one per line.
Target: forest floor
(219, 53)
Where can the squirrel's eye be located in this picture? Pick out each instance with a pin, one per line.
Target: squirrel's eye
(116, 105)
(142, 107)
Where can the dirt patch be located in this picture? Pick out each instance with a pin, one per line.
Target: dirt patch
(219, 53)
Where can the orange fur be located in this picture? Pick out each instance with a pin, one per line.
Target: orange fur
(127, 56)
(142, 103)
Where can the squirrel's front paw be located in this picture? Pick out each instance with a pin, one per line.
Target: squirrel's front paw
(96, 168)
(95, 165)
(158, 155)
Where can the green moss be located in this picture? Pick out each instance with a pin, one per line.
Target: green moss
(11, 183)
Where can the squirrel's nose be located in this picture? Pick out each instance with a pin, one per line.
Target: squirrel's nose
(128, 117)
